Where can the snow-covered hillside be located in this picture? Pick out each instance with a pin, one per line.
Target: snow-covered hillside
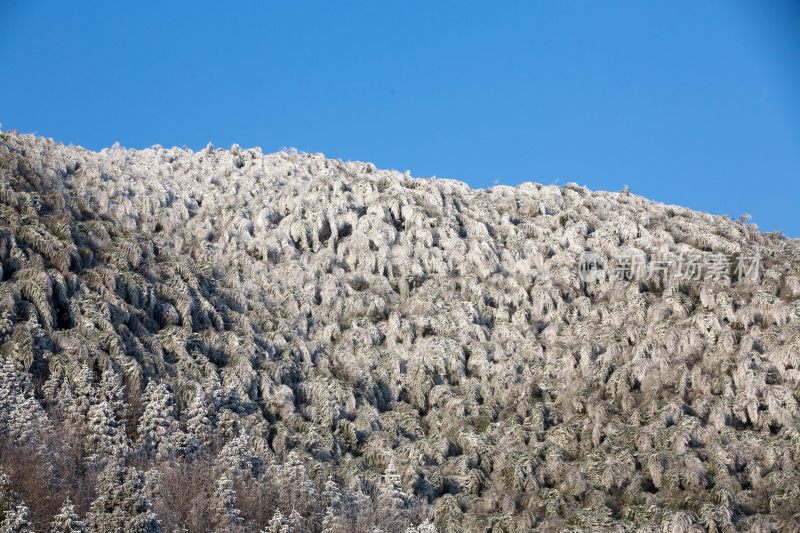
(232, 341)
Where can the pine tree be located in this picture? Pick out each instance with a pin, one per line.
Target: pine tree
(106, 439)
(112, 390)
(121, 504)
(332, 495)
(199, 436)
(426, 527)
(226, 515)
(75, 396)
(7, 496)
(243, 455)
(296, 522)
(278, 524)
(301, 487)
(17, 520)
(157, 426)
(14, 514)
(21, 416)
(67, 521)
(332, 519)
(391, 493)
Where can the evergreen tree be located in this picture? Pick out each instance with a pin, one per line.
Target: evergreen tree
(391, 498)
(7, 496)
(158, 425)
(278, 524)
(17, 520)
(112, 390)
(243, 455)
(67, 521)
(121, 504)
(296, 522)
(426, 527)
(332, 495)
(21, 416)
(76, 396)
(106, 439)
(332, 519)
(199, 435)
(392, 495)
(298, 482)
(14, 514)
(226, 515)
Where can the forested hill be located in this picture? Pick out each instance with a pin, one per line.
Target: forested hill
(230, 341)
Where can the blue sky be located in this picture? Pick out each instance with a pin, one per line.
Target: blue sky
(692, 103)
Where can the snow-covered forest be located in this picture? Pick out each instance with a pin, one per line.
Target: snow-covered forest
(230, 341)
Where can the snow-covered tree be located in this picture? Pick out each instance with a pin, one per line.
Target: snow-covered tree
(199, 434)
(21, 416)
(278, 524)
(333, 501)
(17, 520)
(112, 391)
(392, 498)
(106, 438)
(296, 316)
(121, 504)
(226, 515)
(15, 516)
(297, 523)
(67, 521)
(158, 428)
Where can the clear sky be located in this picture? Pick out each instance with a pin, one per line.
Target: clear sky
(694, 103)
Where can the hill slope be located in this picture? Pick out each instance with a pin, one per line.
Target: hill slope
(226, 340)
